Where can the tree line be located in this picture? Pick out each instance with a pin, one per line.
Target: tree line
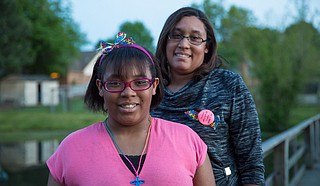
(37, 37)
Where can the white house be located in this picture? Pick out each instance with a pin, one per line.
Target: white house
(29, 90)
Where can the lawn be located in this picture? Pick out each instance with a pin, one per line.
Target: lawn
(45, 122)
(303, 112)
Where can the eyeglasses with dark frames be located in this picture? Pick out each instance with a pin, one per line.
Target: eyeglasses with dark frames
(194, 40)
(116, 86)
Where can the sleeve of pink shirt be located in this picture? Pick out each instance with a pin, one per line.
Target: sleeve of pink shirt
(199, 146)
(201, 151)
(55, 165)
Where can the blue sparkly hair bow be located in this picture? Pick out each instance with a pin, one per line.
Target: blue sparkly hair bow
(120, 42)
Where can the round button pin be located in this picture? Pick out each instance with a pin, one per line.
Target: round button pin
(206, 117)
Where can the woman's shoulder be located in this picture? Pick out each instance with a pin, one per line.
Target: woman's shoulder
(223, 73)
(224, 77)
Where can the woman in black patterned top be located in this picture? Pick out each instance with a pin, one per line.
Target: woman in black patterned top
(214, 102)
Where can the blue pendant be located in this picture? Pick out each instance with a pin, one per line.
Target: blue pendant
(137, 181)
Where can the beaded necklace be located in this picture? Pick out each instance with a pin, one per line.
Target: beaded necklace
(137, 180)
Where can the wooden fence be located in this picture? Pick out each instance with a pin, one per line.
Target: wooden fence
(288, 154)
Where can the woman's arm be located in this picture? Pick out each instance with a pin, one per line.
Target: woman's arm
(245, 135)
(52, 181)
(204, 175)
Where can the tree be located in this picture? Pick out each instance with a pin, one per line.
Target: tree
(282, 62)
(139, 33)
(228, 26)
(55, 38)
(303, 42)
(271, 72)
(15, 45)
(50, 38)
(232, 45)
(215, 13)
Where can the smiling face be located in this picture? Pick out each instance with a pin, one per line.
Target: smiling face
(182, 56)
(128, 107)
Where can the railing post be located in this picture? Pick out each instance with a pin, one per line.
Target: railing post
(295, 147)
(317, 140)
(281, 157)
(310, 146)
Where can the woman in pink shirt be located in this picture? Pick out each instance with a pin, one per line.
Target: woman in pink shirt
(130, 147)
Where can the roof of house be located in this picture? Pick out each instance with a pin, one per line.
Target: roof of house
(80, 63)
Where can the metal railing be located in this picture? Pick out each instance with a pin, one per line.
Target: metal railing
(288, 154)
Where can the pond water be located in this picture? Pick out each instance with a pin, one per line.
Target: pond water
(31, 176)
(23, 163)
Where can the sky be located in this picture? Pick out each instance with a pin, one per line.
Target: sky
(101, 19)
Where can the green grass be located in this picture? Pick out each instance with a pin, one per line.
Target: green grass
(303, 112)
(298, 115)
(48, 118)
(13, 121)
(45, 122)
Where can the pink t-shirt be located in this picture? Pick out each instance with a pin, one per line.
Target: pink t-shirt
(89, 157)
